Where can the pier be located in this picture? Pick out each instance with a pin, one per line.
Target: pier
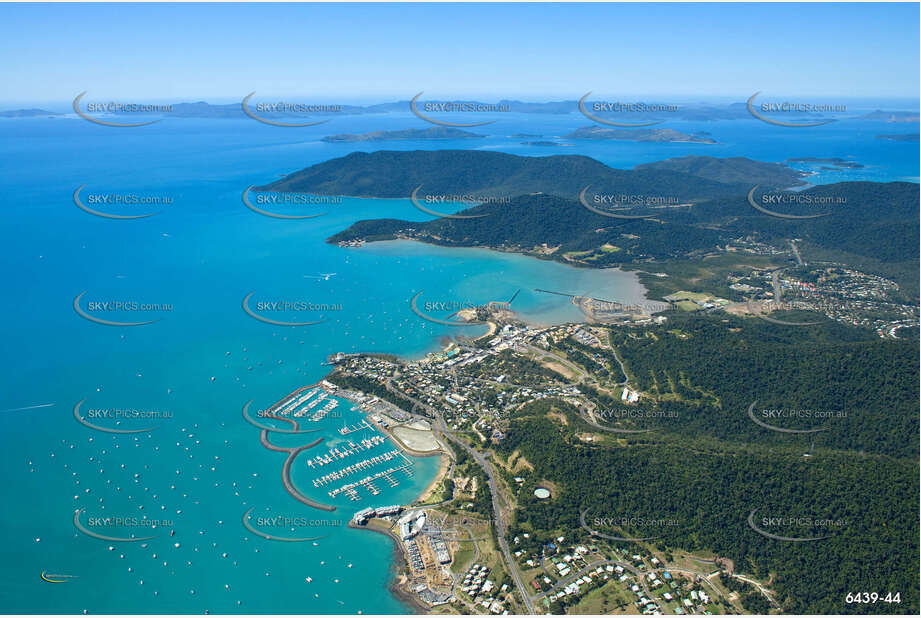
(355, 468)
(613, 302)
(356, 427)
(349, 489)
(336, 453)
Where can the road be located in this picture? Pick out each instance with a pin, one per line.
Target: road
(580, 373)
(760, 588)
(799, 258)
(775, 281)
(623, 368)
(499, 516)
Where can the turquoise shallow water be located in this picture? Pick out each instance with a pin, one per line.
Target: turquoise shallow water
(203, 467)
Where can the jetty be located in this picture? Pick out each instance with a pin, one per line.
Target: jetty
(337, 453)
(359, 466)
(367, 482)
(356, 427)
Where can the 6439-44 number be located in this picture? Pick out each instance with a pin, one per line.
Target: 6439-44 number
(872, 597)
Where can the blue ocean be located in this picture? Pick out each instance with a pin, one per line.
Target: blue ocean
(187, 270)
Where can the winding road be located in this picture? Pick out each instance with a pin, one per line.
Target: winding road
(497, 498)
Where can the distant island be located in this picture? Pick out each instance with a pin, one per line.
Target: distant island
(892, 116)
(405, 134)
(544, 143)
(900, 137)
(639, 135)
(836, 161)
(27, 113)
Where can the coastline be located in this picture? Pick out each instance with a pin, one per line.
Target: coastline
(443, 467)
(549, 257)
(400, 560)
(396, 587)
(629, 269)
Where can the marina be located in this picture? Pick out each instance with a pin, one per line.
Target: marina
(322, 413)
(346, 430)
(360, 466)
(304, 402)
(388, 476)
(337, 453)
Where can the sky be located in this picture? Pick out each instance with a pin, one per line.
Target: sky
(353, 53)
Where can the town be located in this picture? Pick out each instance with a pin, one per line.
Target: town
(462, 550)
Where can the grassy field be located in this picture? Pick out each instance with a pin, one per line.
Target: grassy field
(463, 557)
(614, 597)
(702, 276)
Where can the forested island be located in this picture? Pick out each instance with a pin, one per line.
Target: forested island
(901, 137)
(639, 135)
(836, 161)
(405, 134)
(387, 173)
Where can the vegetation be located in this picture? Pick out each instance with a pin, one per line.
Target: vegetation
(706, 371)
(709, 494)
(366, 385)
(875, 229)
(731, 170)
(389, 173)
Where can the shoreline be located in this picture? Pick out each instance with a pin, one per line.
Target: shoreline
(444, 466)
(400, 560)
(548, 257)
(395, 587)
(630, 270)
